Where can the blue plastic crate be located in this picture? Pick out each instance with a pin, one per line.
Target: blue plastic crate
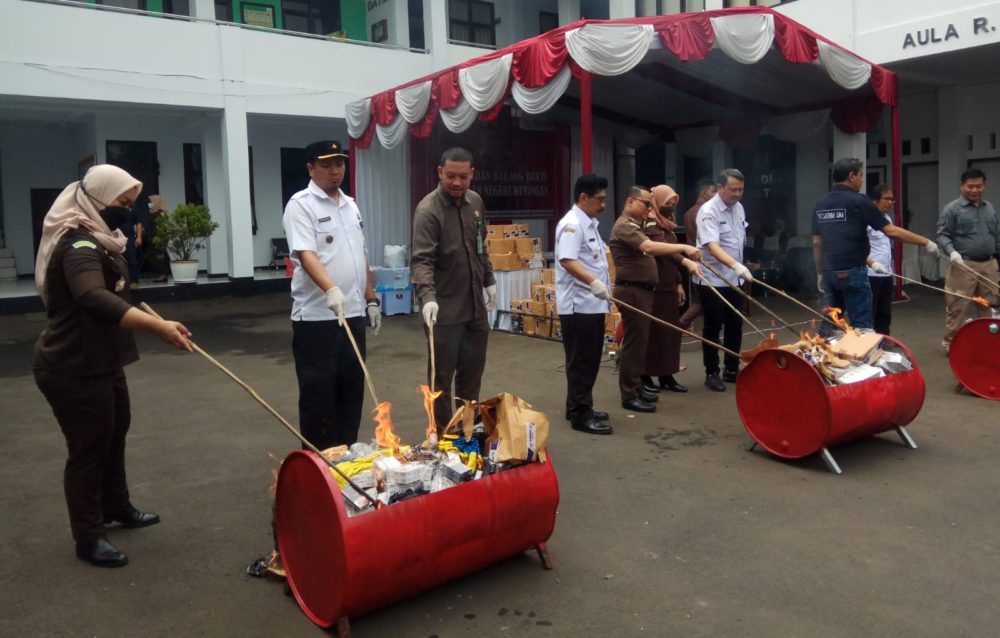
(396, 301)
(391, 278)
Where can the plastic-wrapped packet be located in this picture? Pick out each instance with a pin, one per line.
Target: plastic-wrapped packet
(440, 482)
(365, 479)
(362, 448)
(357, 502)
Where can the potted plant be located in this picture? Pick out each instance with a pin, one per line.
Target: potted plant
(180, 234)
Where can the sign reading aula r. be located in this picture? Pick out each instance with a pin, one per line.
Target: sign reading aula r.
(931, 35)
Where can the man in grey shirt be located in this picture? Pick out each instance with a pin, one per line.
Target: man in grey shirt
(969, 233)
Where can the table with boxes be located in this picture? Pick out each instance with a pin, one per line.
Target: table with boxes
(394, 290)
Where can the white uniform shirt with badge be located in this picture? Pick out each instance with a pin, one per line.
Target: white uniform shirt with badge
(577, 238)
(313, 221)
(881, 249)
(727, 226)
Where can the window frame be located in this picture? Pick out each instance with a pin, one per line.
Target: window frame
(471, 25)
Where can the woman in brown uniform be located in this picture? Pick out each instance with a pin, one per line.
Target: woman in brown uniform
(663, 354)
(82, 277)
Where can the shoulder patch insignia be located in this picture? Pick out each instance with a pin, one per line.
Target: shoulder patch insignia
(83, 243)
(569, 229)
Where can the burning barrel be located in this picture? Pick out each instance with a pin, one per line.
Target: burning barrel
(789, 411)
(340, 567)
(974, 357)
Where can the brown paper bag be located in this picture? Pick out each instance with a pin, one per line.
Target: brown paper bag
(521, 433)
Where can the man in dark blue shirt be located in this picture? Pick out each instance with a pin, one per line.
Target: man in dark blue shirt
(840, 225)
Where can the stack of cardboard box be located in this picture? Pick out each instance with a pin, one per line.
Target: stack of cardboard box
(510, 247)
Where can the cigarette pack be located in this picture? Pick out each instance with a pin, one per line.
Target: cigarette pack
(455, 471)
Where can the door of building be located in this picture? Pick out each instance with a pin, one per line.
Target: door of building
(920, 214)
(41, 201)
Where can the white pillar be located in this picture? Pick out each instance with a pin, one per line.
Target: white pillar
(849, 145)
(216, 199)
(569, 11)
(436, 32)
(236, 182)
(621, 9)
(204, 9)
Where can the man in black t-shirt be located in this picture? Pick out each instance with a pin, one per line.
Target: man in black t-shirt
(840, 242)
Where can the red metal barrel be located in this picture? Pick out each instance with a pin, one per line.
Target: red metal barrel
(340, 567)
(790, 412)
(975, 357)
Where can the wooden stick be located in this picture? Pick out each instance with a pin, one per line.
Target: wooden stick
(944, 290)
(361, 360)
(980, 276)
(751, 299)
(738, 313)
(430, 335)
(677, 328)
(288, 426)
(796, 301)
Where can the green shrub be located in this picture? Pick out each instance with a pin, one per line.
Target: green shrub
(184, 231)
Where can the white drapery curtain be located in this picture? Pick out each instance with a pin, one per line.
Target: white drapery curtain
(459, 118)
(844, 68)
(609, 49)
(382, 182)
(358, 115)
(797, 126)
(412, 101)
(744, 38)
(391, 135)
(484, 84)
(541, 99)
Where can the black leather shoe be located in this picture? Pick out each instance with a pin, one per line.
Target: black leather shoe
(730, 375)
(668, 382)
(649, 397)
(101, 553)
(593, 426)
(131, 518)
(638, 405)
(714, 383)
(648, 386)
(600, 416)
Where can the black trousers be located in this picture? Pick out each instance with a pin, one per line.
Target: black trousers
(460, 357)
(718, 317)
(94, 415)
(331, 381)
(583, 342)
(882, 291)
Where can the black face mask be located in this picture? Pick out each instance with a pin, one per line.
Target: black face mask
(115, 216)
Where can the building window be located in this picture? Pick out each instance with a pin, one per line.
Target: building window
(667, 7)
(472, 21)
(547, 20)
(321, 17)
(124, 4)
(415, 14)
(224, 10)
(177, 7)
(729, 4)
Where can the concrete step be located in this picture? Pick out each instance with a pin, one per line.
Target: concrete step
(6, 252)
(8, 273)
(6, 262)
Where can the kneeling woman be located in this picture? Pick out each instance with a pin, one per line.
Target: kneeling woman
(82, 277)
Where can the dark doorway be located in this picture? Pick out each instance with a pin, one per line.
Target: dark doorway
(41, 201)
(194, 184)
(294, 175)
(139, 159)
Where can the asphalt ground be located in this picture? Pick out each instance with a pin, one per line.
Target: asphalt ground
(670, 527)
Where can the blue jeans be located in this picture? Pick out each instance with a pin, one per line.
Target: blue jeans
(850, 291)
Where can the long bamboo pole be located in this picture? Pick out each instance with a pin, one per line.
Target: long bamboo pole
(787, 296)
(980, 301)
(751, 299)
(677, 328)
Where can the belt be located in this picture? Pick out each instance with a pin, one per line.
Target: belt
(977, 257)
(635, 284)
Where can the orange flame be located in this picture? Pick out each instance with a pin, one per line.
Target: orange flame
(981, 301)
(429, 397)
(836, 317)
(385, 433)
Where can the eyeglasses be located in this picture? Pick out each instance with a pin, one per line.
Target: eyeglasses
(647, 202)
(601, 198)
(891, 200)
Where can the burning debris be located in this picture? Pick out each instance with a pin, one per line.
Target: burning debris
(483, 438)
(850, 355)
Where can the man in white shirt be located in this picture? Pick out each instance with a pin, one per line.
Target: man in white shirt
(722, 233)
(332, 292)
(582, 300)
(880, 262)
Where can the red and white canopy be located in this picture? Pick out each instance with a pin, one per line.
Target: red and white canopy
(696, 75)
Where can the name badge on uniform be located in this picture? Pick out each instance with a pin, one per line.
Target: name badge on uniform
(324, 219)
(120, 285)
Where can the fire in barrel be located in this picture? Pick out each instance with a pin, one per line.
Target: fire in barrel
(430, 513)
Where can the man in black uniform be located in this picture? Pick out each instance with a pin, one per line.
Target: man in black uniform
(840, 243)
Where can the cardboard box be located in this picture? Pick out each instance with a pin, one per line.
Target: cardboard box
(538, 308)
(501, 246)
(511, 231)
(494, 231)
(543, 292)
(508, 262)
(557, 329)
(519, 305)
(611, 264)
(527, 246)
(549, 276)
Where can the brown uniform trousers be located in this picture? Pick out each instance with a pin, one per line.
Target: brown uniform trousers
(963, 282)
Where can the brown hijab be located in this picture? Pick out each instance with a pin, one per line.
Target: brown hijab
(663, 195)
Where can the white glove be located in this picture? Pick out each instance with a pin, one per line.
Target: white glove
(879, 268)
(819, 283)
(931, 247)
(430, 313)
(375, 316)
(600, 290)
(335, 302)
(742, 272)
(956, 258)
(491, 296)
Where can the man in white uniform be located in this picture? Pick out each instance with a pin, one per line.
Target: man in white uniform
(582, 296)
(880, 262)
(332, 291)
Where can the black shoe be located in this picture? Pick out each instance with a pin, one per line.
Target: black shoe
(730, 375)
(101, 553)
(714, 383)
(638, 405)
(128, 516)
(649, 397)
(648, 386)
(593, 426)
(667, 382)
(600, 416)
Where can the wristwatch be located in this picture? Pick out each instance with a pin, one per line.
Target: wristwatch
(374, 300)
